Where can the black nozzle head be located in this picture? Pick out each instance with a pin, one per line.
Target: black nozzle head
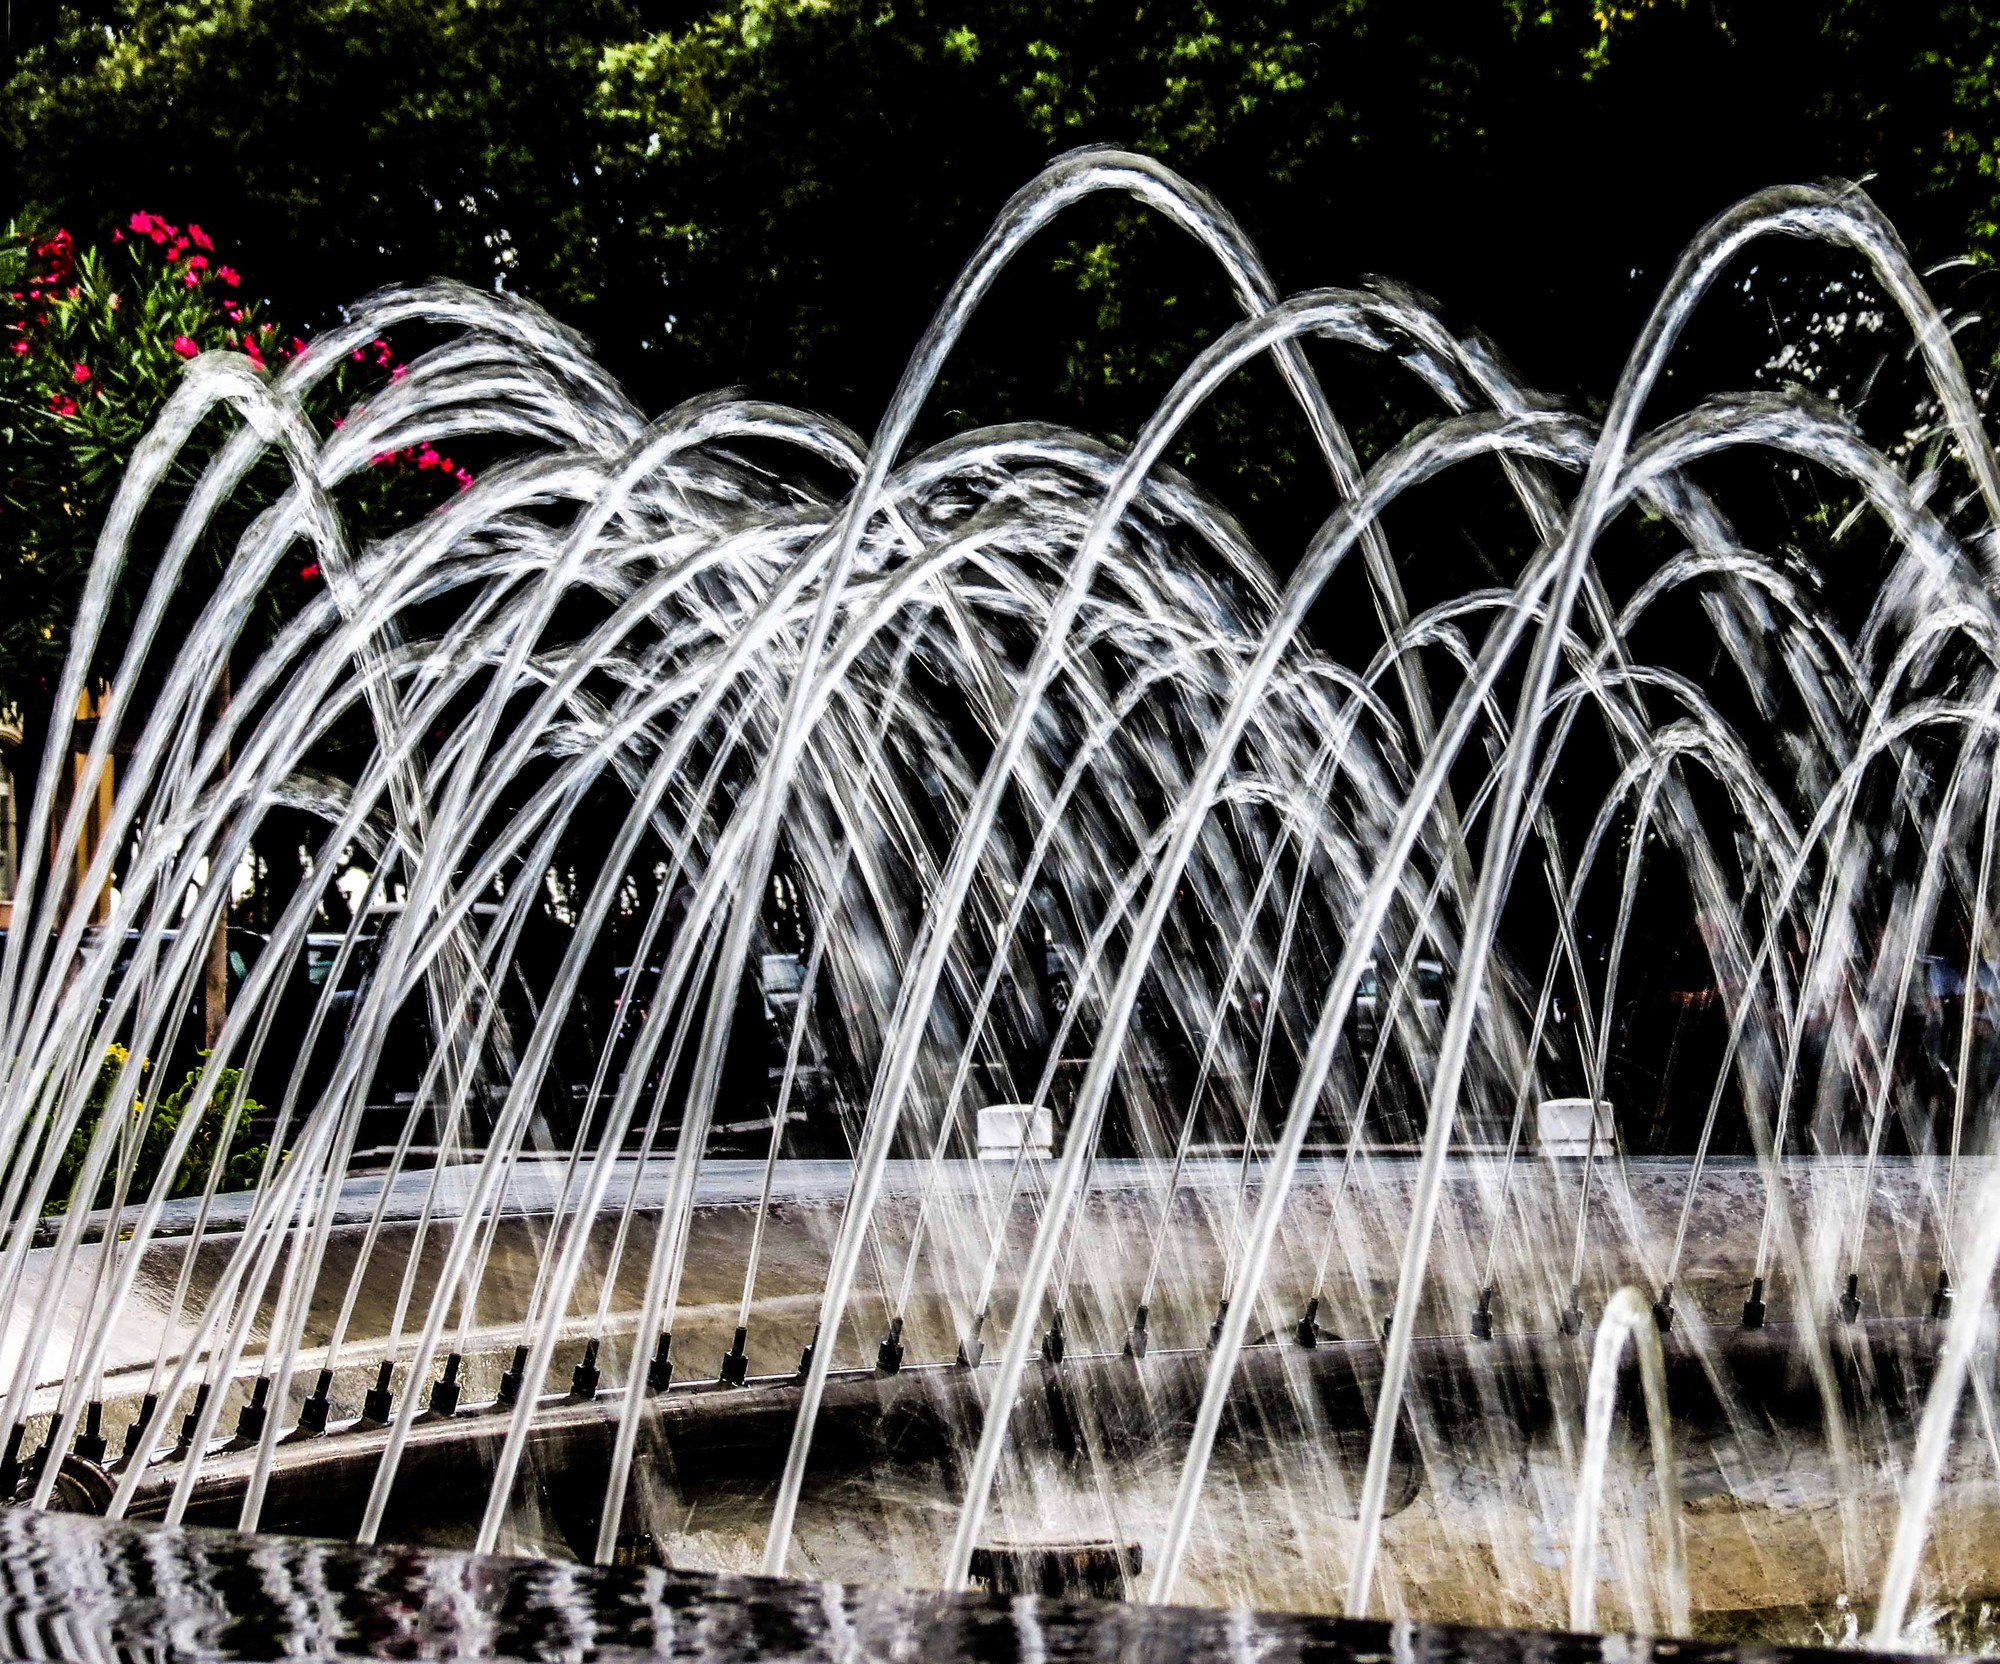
(889, 1355)
(1482, 1315)
(10, 1462)
(251, 1418)
(90, 1443)
(376, 1404)
(1753, 1308)
(312, 1413)
(1941, 1299)
(1215, 1328)
(806, 1354)
(1570, 1318)
(1137, 1340)
(512, 1377)
(149, 1407)
(1850, 1302)
(445, 1390)
(971, 1348)
(191, 1422)
(583, 1378)
(735, 1362)
(1306, 1333)
(1663, 1309)
(1053, 1343)
(660, 1367)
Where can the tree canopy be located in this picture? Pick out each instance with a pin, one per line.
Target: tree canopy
(776, 193)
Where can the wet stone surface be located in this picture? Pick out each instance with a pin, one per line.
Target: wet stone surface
(72, 1587)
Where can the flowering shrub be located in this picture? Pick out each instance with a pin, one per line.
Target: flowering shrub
(96, 337)
(92, 343)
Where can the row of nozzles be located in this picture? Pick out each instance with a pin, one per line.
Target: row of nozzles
(91, 1445)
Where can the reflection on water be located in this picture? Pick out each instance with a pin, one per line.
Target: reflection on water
(72, 1587)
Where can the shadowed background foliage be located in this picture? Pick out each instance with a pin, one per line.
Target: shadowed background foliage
(775, 192)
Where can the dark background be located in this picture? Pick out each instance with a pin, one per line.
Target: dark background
(776, 194)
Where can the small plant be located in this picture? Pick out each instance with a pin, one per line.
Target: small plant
(241, 1162)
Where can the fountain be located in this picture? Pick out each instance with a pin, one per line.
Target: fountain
(893, 1010)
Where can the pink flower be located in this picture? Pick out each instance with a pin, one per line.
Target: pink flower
(400, 371)
(185, 346)
(464, 478)
(199, 237)
(118, 236)
(80, 373)
(191, 280)
(309, 572)
(20, 346)
(197, 263)
(62, 404)
(229, 275)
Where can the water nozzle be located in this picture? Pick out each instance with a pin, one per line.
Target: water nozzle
(90, 1442)
(583, 1378)
(192, 1420)
(1307, 1332)
(736, 1362)
(1053, 1343)
(445, 1390)
(512, 1377)
(806, 1355)
(889, 1355)
(660, 1371)
(1570, 1318)
(1850, 1302)
(1663, 1309)
(1136, 1338)
(970, 1347)
(375, 1405)
(1482, 1315)
(312, 1413)
(10, 1463)
(1215, 1328)
(149, 1407)
(1753, 1308)
(251, 1418)
(1941, 1300)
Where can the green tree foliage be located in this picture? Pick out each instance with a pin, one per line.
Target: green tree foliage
(776, 192)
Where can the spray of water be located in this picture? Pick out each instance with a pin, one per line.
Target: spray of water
(1008, 771)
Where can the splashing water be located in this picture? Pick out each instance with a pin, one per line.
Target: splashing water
(728, 803)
